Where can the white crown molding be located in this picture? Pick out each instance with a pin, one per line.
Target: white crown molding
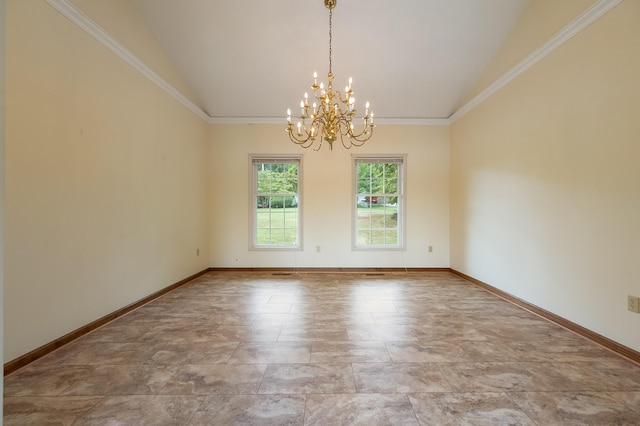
(412, 121)
(590, 15)
(76, 16)
(586, 18)
(248, 120)
(379, 120)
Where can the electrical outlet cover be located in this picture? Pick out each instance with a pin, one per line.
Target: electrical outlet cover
(633, 304)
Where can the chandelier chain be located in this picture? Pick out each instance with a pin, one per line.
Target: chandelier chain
(330, 39)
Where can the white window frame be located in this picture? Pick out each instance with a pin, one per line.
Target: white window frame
(401, 160)
(253, 194)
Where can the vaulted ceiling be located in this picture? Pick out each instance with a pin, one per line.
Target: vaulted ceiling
(249, 59)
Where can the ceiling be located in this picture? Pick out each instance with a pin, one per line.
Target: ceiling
(411, 59)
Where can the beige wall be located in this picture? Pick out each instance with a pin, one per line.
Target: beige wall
(541, 20)
(2, 163)
(544, 181)
(105, 181)
(327, 192)
(121, 19)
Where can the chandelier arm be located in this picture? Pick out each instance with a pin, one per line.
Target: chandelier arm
(300, 141)
(361, 137)
(343, 143)
(305, 143)
(365, 135)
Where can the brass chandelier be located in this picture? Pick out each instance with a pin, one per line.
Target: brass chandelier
(331, 117)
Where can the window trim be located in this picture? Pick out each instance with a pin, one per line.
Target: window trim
(253, 182)
(402, 190)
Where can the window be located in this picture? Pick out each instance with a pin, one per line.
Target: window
(379, 202)
(276, 202)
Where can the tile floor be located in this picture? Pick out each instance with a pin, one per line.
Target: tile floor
(327, 349)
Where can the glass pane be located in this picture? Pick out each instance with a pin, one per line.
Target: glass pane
(392, 237)
(377, 236)
(263, 236)
(290, 186)
(363, 237)
(279, 218)
(364, 186)
(290, 236)
(390, 185)
(364, 170)
(363, 219)
(290, 202)
(263, 218)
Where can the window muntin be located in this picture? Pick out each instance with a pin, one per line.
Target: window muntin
(379, 202)
(276, 202)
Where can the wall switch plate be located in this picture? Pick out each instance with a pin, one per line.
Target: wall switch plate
(633, 304)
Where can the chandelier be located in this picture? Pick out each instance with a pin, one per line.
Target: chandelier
(331, 117)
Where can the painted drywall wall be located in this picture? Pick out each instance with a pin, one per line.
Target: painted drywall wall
(326, 196)
(544, 181)
(121, 19)
(541, 20)
(2, 162)
(105, 181)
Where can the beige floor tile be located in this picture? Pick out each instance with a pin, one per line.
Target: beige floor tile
(215, 379)
(506, 377)
(575, 408)
(330, 318)
(430, 352)
(630, 399)
(378, 377)
(478, 409)
(167, 353)
(338, 352)
(123, 380)
(254, 333)
(271, 352)
(311, 333)
(142, 410)
(258, 410)
(611, 375)
(308, 378)
(284, 319)
(22, 411)
(83, 352)
(45, 379)
(359, 409)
